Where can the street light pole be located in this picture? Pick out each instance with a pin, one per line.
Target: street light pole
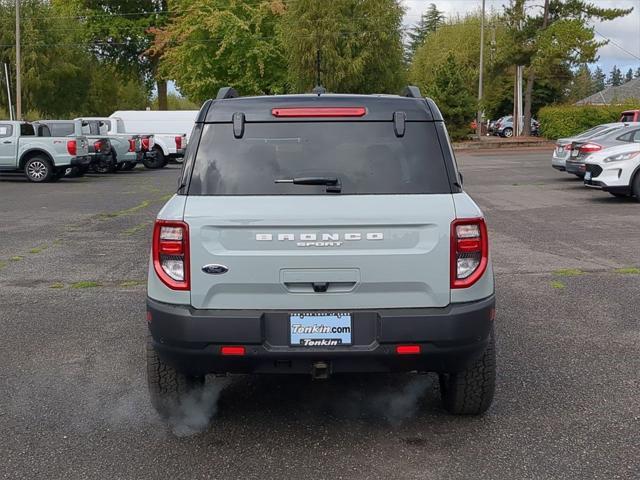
(480, 76)
(18, 62)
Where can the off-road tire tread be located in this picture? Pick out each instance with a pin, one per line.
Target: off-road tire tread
(167, 386)
(470, 392)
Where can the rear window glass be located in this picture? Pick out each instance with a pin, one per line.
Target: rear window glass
(27, 130)
(6, 130)
(61, 129)
(366, 157)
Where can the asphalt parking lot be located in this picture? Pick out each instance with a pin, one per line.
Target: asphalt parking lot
(74, 404)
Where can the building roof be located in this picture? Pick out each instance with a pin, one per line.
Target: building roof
(612, 95)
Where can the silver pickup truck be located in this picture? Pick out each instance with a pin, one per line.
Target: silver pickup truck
(144, 143)
(42, 159)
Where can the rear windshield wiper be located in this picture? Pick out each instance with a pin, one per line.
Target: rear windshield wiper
(333, 183)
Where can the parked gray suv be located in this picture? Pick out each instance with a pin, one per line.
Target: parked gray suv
(319, 234)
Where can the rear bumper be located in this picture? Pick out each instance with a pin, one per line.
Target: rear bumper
(81, 161)
(450, 339)
(576, 168)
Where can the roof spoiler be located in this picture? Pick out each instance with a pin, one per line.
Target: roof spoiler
(411, 91)
(227, 92)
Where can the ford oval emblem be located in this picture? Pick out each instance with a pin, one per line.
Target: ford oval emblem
(215, 269)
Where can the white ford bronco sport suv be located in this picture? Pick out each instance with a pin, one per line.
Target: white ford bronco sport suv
(318, 234)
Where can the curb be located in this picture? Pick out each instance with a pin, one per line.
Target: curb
(499, 145)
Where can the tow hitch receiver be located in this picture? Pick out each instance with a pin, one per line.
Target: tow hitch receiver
(320, 370)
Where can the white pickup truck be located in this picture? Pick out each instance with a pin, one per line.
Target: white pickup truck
(42, 159)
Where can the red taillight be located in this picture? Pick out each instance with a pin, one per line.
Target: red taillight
(319, 112)
(132, 145)
(72, 147)
(408, 349)
(170, 253)
(469, 251)
(178, 143)
(145, 143)
(98, 146)
(590, 148)
(232, 350)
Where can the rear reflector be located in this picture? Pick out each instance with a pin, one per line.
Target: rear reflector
(319, 112)
(178, 142)
(237, 351)
(408, 349)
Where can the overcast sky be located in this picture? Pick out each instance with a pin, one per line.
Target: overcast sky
(625, 31)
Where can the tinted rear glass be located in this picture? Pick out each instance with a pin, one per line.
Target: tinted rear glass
(367, 158)
(61, 129)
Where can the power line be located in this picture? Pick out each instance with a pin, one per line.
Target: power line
(617, 45)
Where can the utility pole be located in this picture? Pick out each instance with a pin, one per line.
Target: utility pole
(18, 62)
(6, 76)
(480, 76)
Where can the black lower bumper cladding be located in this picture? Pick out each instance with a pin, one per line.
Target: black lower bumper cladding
(192, 340)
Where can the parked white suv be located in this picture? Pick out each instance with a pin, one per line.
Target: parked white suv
(319, 234)
(616, 170)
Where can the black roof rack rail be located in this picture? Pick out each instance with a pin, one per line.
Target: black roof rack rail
(227, 92)
(411, 91)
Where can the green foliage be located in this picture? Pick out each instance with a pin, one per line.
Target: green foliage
(599, 79)
(568, 120)
(360, 45)
(429, 22)
(615, 77)
(176, 102)
(629, 75)
(449, 92)
(214, 43)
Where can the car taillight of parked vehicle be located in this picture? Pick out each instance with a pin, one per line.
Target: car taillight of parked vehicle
(590, 148)
(179, 142)
(72, 147)
(171, 253)
(146, 144)
(98, 146)
(132, 145)
(469, 251)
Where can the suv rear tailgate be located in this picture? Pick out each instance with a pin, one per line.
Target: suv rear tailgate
(320, 251)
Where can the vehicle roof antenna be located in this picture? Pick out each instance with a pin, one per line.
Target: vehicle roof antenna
(318, 89)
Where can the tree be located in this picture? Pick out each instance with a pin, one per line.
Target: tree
(121, 32)
(210, 44)
(429, 22)
(599, 80)
(615, 77)
(360, 45)
(629, 76)
(582, 85)
(637, 74)
(450, 93)
(560, 34)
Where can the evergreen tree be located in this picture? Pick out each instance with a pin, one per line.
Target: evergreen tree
(637, 75)
(582, 84)
(615, 77)
(629, 76)
(429, 22)
(599, 80)
(455, 101)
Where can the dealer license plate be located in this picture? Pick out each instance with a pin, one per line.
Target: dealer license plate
(318, 329)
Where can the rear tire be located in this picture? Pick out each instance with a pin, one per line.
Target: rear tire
(156, 162)
(126, 166)
(168, 388)
(39, 170)
(470, 392)
(507, 132)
